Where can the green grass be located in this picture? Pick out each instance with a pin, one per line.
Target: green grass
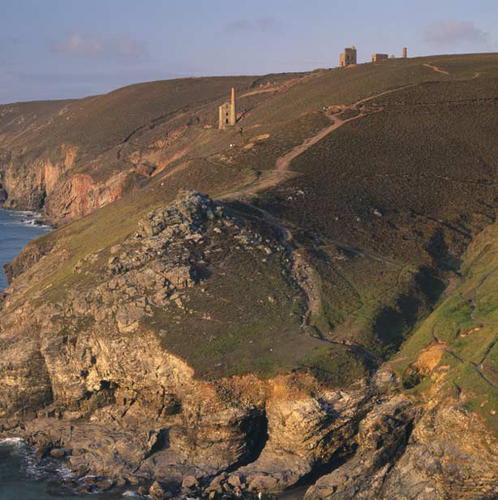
(413, 168)
(472, 342)
(246, 332)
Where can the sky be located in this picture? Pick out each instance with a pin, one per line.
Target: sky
(57, 49)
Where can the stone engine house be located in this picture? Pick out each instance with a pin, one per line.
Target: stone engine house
(348, 57)
(227, 113)
(379, 57)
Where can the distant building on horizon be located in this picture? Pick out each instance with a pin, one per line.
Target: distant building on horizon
(227, 113)
(348, 57)
(379, 57)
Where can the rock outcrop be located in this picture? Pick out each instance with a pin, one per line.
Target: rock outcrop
(97, 386)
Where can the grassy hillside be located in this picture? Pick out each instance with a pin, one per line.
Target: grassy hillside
(382, 209)
(405, 189)
(455, 348)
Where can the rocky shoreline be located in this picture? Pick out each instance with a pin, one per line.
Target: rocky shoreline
(381, 446)
(97, 388)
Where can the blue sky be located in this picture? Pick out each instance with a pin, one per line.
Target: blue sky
(71, 48)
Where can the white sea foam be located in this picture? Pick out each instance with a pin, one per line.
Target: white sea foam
(32, 222)
(27, 218)
(26, 213)
(65, 472)
(13, 441)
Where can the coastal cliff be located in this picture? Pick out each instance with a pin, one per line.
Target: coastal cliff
(323, 319)
(97, 380)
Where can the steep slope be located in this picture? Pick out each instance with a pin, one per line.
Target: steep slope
(68, 158)
(448, 368)
(239, 341)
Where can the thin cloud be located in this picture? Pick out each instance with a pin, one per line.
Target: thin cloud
(260, 25)
(110, 47)
(448, 32)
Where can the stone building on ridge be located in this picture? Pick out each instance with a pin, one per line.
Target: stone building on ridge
(348, 57)
(379, 57)
(227, 113)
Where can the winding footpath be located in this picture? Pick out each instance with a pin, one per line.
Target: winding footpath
(303, 272)
(282, 171)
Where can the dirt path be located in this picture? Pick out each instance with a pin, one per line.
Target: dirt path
(281, 172)
(436, 69)
(304, 273)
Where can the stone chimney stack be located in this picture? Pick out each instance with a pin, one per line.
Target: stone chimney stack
(233, 111)
(405, 52)
(227, 113)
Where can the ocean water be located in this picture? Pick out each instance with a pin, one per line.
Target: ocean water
(22, 478)
(16, 230)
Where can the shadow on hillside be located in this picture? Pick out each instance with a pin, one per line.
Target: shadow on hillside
(393, 323)
(438, 249)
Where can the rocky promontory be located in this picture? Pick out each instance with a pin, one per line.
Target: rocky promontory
(97, 385)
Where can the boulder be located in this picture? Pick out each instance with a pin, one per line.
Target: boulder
(158, 492)
(189, 483)
(57, 452)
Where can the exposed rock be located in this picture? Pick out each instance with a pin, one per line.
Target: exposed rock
(450, 455)
(104, 484)
(382, 436)
(158, 492)
(57, 452)
(29, 256)
(189, 483)
(303, 433)
(98, 380)
(3, 195)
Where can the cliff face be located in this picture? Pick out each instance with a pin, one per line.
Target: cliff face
(68, 158)
(101, 377)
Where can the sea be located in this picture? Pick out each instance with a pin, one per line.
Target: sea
(16, 230)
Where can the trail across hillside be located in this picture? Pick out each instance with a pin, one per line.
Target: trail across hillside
(282, 171)
(436, 69)
(304, 273)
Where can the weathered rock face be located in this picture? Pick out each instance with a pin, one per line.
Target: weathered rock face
(304, 434)
(65, 181)
(3, 195)
(67, 158)
(97, 381)
(50, 185)
(404, 451)
(449, 455)
(382, 437)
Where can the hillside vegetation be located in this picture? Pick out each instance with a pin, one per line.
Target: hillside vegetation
(383, 207)
(325, 307)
